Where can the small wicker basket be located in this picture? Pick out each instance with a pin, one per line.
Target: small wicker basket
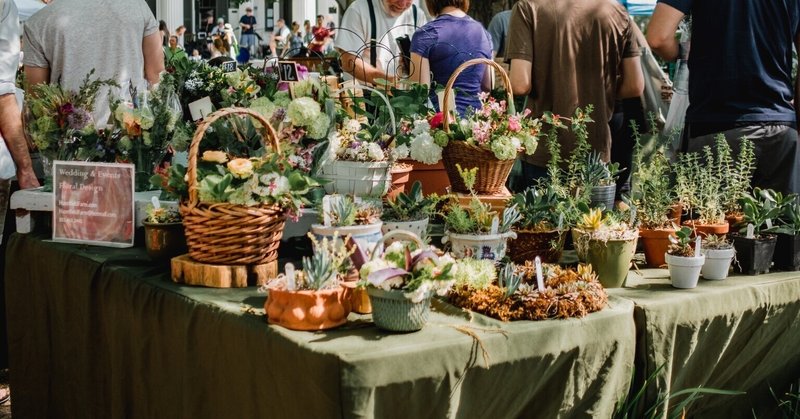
(227, 234)
(492, 172)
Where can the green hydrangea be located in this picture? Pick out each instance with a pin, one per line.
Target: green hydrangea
(125, 144)
(303, 111)
(319, 129)
(504, 148)
(440, 138)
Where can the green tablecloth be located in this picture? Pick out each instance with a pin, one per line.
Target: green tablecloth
(100, 332)
(742, 334)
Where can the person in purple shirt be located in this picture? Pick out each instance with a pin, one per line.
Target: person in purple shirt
(443, 44)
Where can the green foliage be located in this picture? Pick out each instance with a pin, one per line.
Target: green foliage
(509, 280)
(681, 242)
(469, 176)
(162, 215)
(652, 191)
(477, 218)
(319, 270)
(538, 208)
(789, 222)
(343, 212)
(736, 175)
(715, 242)
(596, 172)
(699, 186)
(763, 205)
(475, 273)
(458, 220)
(413, 206)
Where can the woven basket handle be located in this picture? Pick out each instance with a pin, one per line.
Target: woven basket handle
(475, 61)
(268, 134)
(396, 234)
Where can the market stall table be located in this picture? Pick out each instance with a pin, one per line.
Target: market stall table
(99, 332)
(738, 334)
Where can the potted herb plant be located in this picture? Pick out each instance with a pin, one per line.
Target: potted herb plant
(608, 244)
(540, 229)
(602, 177)
(699, 187)
(311, 299)
(343, 216)
(719, 253)
(164, 237)
(653, 196)
(402, 280)
(736, 175)
(409, 211)
(787, 248)
(684, 264)
(754, 246)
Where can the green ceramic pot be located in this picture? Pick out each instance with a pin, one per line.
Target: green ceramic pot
(611, 260)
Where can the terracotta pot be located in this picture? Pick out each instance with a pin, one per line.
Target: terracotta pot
(655, 243)
(432, 176)
(548, 245)
(675, 213)
(307, 310)
(358, 297)
(705, 229)
(164, 241)
(400, 176)
(734, 219)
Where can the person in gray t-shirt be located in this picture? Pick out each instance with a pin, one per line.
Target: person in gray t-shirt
(498, 28)
(119, 40)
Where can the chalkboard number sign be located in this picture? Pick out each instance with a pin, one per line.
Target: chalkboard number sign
(228, 66)
(287, 71)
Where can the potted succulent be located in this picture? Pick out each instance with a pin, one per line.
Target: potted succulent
(684, 261)
(343, 215)
(402, 279)
(540, 229)
(787, 248)
(602, 177)
(653, 196)
(164, 237)
(754, 246)
(699, 188)
(409, 211)
(311, 299)
(608, 244)
(719, 253)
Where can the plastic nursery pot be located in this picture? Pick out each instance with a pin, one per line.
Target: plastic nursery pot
(400, 175)
(754, 255)
(164, 241)
(392, 311)
(718, 263)
(365, 235)
(603, 194)
(655, 244)
(478, 246)
(419, 227)
(787, 253)
(704, 230)
(307, 310)
(684, 271)
(611, 260)
(548, 245)
(433, 177)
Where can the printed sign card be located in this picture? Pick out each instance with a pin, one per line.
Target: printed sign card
(93, 203)
(287, 71)
(201, 108)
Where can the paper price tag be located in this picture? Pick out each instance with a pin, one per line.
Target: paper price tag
(495, 225)
(560, 221)
(201, 108)
(698, 243)
(291, 284)
(326, 210)
(156, 203)
(769, 223)
(539, 275)
(750, 232)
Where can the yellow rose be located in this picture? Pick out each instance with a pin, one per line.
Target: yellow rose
(241, 168)
(215, 157)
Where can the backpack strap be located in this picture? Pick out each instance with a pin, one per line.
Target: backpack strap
(414, 10)
(373, 43)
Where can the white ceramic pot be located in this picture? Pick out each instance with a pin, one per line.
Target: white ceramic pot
(478, 246)
(419, 227)
(684, 271)
(718, 263)
(366, 236)
(357, 178)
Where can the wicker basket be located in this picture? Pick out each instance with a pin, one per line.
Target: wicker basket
(227, 234)
(492, 172)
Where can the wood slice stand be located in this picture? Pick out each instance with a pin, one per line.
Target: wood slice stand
(186, 270)
(497, 201)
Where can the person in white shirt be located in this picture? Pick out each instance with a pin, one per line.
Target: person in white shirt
(382, 20)
(280, 38)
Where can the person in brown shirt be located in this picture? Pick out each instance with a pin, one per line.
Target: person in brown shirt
(567, 54)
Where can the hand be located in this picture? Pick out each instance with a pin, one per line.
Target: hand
(27, 179)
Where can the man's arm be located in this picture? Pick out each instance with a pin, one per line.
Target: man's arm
(632, 79)
(520, 75)
(362, 70)
(12, 133)
(661, 31)
(36, 75)
(153, 57)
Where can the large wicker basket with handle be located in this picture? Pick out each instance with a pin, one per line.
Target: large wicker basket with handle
(492, 172)
(223, 233)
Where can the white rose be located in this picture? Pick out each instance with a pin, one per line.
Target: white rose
(375, 152)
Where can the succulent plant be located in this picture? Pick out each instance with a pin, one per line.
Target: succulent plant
(681, 242)
(413, 206)
(509, 280)
(715, 242)
(596, 172)
(538, 208)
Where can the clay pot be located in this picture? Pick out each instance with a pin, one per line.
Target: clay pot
(655, 243)
(358, 297)
(734, 219)
(684, 272)
(164, 241)
(704, 230)
(400, 176)
(530, 244)
(432, 176)
(307, 310)
(675, 213)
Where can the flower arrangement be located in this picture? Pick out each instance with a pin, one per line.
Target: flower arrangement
(417, 272)
(492, 129)
(352, 142)
(162, 215)
(420, 139)
(254, 181)
(514, 294)
(60, 122)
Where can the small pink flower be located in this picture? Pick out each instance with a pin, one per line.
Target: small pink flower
(526, 113)
(513, 124)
